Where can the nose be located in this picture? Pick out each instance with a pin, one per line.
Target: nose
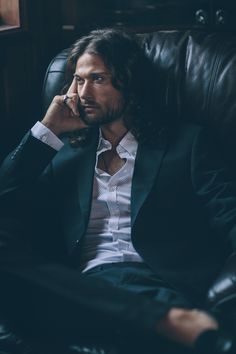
(85, 91)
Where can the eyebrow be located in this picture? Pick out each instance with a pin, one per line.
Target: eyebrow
(94, 73)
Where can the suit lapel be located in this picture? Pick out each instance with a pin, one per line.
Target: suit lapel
(147, 166)
(85, 182)
(80, 171)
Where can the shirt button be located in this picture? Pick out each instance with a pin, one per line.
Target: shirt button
(44, 138)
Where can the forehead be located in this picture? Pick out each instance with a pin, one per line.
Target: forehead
(89, 63)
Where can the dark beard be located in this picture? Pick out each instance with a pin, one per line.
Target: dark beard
(111, 116)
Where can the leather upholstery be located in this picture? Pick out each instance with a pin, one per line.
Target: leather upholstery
(195, 72)
(223, 292)
(54, 78)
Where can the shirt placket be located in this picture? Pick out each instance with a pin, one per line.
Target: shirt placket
(112, 204)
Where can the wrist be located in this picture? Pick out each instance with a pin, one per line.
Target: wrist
(52, 127)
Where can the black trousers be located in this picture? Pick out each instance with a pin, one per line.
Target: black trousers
(140, 279)
(133, 277)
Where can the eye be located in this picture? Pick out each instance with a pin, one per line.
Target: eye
(97, 78)
(79, 80)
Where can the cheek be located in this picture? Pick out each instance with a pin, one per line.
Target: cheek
(108, 97)
(115, 98)
(119, 101)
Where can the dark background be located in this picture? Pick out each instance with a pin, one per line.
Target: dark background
(48, 26)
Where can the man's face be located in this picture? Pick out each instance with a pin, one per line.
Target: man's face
(101, 103)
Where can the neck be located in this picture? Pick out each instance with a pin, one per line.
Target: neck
(114, 132)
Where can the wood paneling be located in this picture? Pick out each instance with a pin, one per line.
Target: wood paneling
(25, 54)
(9, 11)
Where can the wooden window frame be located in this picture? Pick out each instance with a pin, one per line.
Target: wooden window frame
(12, 13)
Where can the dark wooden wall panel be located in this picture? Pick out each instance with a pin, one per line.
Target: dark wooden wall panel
(24, 57)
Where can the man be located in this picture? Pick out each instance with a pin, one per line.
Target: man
(135, 208)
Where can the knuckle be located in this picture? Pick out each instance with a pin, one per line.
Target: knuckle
(57, 98)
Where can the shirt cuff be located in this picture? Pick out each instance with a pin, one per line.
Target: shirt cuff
(41, 132)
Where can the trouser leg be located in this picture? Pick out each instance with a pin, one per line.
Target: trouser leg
(139, 279)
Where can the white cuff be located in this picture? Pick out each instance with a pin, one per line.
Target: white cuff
(41, 132)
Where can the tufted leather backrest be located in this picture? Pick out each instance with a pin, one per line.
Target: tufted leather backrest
(196, 73)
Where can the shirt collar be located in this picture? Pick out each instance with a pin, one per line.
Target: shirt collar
(128, 144)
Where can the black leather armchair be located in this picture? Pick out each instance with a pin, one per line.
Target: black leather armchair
(196, 74)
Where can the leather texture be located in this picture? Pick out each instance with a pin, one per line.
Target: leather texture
(195, 72)
(223, 291)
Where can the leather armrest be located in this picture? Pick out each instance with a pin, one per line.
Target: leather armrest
(223, 291)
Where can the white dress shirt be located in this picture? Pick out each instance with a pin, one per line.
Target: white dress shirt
(108, 236)
(107, 239)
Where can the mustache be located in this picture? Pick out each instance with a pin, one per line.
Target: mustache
(81, 106)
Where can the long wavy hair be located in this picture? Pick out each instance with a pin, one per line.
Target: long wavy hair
(131, 73)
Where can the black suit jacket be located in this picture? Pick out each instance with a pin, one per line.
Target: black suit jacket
(183, 214)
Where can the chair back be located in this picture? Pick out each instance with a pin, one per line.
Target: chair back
(196, 75)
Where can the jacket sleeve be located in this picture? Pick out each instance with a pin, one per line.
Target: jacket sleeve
(22, 169)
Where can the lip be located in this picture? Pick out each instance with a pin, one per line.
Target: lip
(90, 107)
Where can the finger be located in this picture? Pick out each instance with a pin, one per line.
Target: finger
(72, 103)
(73, 87)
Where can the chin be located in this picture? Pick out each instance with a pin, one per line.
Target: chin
(91, 120)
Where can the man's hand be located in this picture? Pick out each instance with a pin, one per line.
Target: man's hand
(184, 326)
(64, 117)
